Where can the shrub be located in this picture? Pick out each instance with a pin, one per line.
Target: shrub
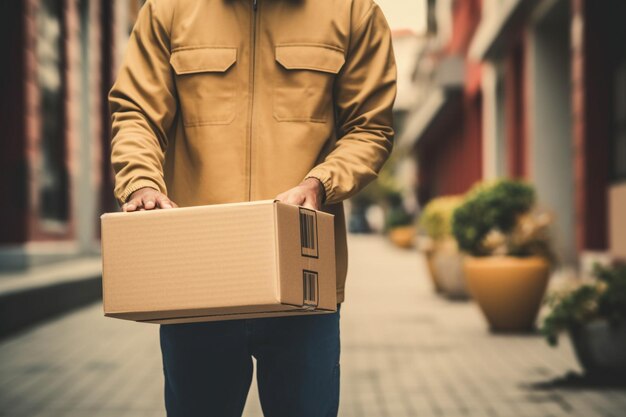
(603, 299)
(490, 207)
(436, 218)
(396, 215)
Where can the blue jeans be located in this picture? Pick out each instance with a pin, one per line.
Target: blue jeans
(208, 366)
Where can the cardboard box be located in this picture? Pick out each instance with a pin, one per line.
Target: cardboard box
(218, 262)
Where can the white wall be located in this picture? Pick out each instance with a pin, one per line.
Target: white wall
(550, 110)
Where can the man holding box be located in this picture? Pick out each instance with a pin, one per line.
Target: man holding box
(222, 101)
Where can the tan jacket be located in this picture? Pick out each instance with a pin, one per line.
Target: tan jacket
(223, 101)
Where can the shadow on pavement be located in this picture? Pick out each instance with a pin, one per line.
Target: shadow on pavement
(574, 380)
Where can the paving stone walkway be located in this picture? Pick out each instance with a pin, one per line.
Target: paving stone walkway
(405, 352)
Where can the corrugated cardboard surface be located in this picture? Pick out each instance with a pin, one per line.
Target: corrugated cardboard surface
(211, 262)
(281, 311)
(292, 262)
(617, 220)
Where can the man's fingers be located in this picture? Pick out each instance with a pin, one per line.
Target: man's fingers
(132, 205)
(308, 204)
(148, 202)
(164, 202)
(295, 199)
(311, 202)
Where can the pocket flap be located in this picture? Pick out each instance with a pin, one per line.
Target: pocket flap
(212, 59)
(311, 57)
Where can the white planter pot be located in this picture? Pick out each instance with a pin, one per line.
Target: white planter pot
(448, 265)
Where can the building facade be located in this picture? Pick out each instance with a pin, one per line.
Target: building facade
(445, 128)
(541, 97)
(55, 171)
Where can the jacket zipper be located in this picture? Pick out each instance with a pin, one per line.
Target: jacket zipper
(251, 89)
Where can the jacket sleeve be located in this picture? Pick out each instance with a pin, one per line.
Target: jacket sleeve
(365, 91)
(143, 106)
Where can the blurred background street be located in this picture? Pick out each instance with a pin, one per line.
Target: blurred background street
(496, 228)
(405, 352)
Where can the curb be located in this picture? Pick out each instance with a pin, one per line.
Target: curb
(28, 301)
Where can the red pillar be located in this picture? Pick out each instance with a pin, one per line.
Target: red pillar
(515, 112)
(592, 123)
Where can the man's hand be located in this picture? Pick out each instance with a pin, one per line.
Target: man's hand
(309, 193)
(147, 199)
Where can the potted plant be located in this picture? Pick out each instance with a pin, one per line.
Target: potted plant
(594, 315)
(439, 247)
(378, 192)
(509, 254)
(357, 220)
(398, 222)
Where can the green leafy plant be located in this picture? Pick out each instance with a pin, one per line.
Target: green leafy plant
(436, 218)
(383, 187)
(605, 298)
(612, 301)
(376, 192)
(488, 207)
(387, 192)
(396, 215)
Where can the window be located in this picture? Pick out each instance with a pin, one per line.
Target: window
(52, 178)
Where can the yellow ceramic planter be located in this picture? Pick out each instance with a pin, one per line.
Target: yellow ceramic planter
(402, 236)
(508, 290)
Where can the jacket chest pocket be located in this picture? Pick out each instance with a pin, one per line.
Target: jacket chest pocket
(206, 84)
(303, 88)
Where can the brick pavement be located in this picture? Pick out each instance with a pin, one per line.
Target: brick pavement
(405, 352)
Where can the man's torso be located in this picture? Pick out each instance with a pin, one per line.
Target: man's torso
(255, 90)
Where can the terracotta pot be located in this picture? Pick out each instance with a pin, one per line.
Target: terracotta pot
(508, 290)
(601, 349)
(402, 236)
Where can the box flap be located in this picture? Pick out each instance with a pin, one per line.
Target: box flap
(306, 257)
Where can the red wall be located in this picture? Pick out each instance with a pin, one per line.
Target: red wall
(465, 20)
(592, 123)
(450, 157)
(515, 111)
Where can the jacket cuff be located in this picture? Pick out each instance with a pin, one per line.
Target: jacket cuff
(324, 177)
(321, 185)
(134, 186)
